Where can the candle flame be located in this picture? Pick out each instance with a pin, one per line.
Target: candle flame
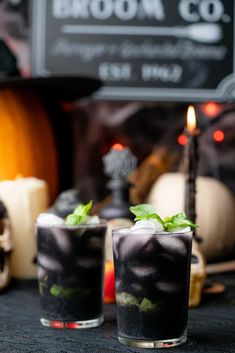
(118, 147)
(191, 119)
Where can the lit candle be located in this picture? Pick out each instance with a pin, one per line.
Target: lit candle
(25, 199)
(191, 120)
(191, 161)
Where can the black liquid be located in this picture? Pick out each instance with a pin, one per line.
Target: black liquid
(152, 284)
(70, 271)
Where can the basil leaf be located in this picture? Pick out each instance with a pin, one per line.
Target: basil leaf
(56, 290)
(180, 224)
(155, 216)
(126, 299)
(179, 217)
(142, 210)
(83, 210)
(170, 224)
(145, 212)
(146, 305)
(176, 218)
(67, 292)
(79, 215)
(61, 292)
(167, 220)
(72, 220)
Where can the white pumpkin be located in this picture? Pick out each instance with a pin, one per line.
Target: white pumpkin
(215, 210)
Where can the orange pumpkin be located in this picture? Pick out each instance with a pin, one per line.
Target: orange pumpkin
(27, 144)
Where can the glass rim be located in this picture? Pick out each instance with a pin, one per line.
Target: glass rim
(117, 230)
(101, 224)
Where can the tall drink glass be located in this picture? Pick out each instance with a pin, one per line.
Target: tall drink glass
(70, 274)
(152, 287)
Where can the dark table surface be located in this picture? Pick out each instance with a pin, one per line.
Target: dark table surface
(211, 326)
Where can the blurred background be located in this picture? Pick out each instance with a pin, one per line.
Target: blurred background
(81, 131)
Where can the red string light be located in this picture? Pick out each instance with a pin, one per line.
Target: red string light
(218, 136)
(211, 109)
(182, 140)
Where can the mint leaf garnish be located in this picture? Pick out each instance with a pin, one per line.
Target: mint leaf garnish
(145, 212)
(72, 220)
(178, 221)
(79, 215)
(146, 305)
(126, 299)
(170, 224)
(56, 291)
(61, 292)
(83, 210)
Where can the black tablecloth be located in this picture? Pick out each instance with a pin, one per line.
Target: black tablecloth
(211, 326)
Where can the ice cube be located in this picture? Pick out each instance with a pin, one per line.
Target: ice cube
(117, 238)
(143, 230)
(92, 220)
(132, 245)
(168, 287)
(72, 280)
(95, 243)
(118, 284)
(173, 244)
(158, 226)
(47, 219)
(125, 231)
(62, 241)
(143, 271)
(182, 230)
(149, 226)
(137, 289)
(115, 242)
(150, 249)
(48, 263)
(143, 227)
(41, 272)
(88, 262)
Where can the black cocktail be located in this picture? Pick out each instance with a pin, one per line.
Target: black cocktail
(152, 287)
(70, 274)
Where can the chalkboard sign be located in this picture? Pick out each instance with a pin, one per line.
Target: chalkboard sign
(159, 50)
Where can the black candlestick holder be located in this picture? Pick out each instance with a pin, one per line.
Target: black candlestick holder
(191, 177)
(191, 168)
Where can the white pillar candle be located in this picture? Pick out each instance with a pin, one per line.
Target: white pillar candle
(25, 199)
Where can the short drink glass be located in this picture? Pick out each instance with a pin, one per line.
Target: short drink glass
(70, 274)
(152, 287)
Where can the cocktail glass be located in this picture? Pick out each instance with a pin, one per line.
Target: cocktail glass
(70, 274)
(152, 287)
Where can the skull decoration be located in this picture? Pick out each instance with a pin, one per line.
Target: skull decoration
(6, 246)
(198, 275)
